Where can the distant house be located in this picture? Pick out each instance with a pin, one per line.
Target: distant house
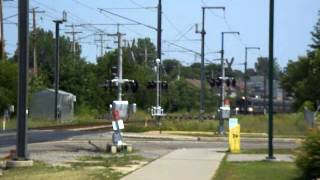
(256, 87)
(42, 104)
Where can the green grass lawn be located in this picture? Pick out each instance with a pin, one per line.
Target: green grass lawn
(257, 171)
(82, 170)
(285, 125)
(46, 123)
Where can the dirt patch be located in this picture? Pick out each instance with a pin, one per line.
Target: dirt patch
(130, 168)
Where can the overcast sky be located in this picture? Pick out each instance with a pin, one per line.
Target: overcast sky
(294, 22)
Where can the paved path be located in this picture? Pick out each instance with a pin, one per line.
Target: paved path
(185, 164)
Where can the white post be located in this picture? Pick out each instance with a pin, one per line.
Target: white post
(4, 124)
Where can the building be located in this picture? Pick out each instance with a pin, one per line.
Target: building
(42, 104)
(258, 87)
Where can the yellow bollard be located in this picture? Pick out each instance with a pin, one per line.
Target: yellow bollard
(234, 139)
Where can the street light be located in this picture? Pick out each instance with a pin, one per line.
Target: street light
(56, 85)
(245, 75)
(203, 33)
(271, 63)
(23, 45)
(221, 123)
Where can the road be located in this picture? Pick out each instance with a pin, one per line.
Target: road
(62, 145)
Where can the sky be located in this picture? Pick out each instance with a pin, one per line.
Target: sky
(294, 20)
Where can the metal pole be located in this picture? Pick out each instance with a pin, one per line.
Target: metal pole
(246, 76)
(23, 79)
(271, 62)
(245, 82)
(159, 30)
(203, 33)
(119, 65)
(35, 67)
(221, 123)
(57, 59)
(2, 33)
(159, 39)
(158, 83)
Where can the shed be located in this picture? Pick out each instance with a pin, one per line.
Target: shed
(42, 104)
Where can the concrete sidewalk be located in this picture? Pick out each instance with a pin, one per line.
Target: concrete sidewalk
(200, 164)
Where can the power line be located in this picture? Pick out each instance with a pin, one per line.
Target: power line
(128, 19)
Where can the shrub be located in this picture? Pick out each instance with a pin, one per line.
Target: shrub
(308, 159)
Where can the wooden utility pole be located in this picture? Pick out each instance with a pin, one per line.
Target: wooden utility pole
(2, 44)
(34, 39)
(1, 24)
(101, 40)
(73, 33)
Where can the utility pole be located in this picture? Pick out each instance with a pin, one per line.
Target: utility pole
(271, 63)
(73, 33)
(246, 76)
(23, 32)
(57, 59)
(159, 30)
(2, 43)
(34, 34)
(101, 41)
(203, 34)
(120, 60)
(159, 40)
(221, 122)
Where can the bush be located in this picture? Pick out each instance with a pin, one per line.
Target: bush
(309, 105)
(308, 159)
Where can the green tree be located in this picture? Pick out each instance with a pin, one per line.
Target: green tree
(8, 84)
(301, 78)
(316, 35)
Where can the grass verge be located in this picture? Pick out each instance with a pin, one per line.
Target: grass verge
(285, 125)
(86, 168)
(262, 170)
(46, 123)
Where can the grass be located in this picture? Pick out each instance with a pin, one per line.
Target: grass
(265, 151)
(78, 170)
(46, 123)
(262, 170)
(285, 125)
(175, 125)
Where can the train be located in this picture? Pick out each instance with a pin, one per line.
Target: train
(260, 106)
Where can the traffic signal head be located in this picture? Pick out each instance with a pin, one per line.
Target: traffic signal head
(134, 86)
(151, 85)
(218, 82)
(114, 72)
(212, 82)
(164, 85)
(228, 82)
(126, 87)
(233, 83)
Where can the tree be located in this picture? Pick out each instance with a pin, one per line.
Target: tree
(262, 67)
(316, 35)
(301, 78)
(8, 84)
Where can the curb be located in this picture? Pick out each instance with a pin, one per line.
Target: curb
(219, 139)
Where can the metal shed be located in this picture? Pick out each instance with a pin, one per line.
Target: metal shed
(42, 104)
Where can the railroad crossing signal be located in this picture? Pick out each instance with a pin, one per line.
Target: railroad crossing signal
(153, 85)
(217, 82)
(132, 85)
